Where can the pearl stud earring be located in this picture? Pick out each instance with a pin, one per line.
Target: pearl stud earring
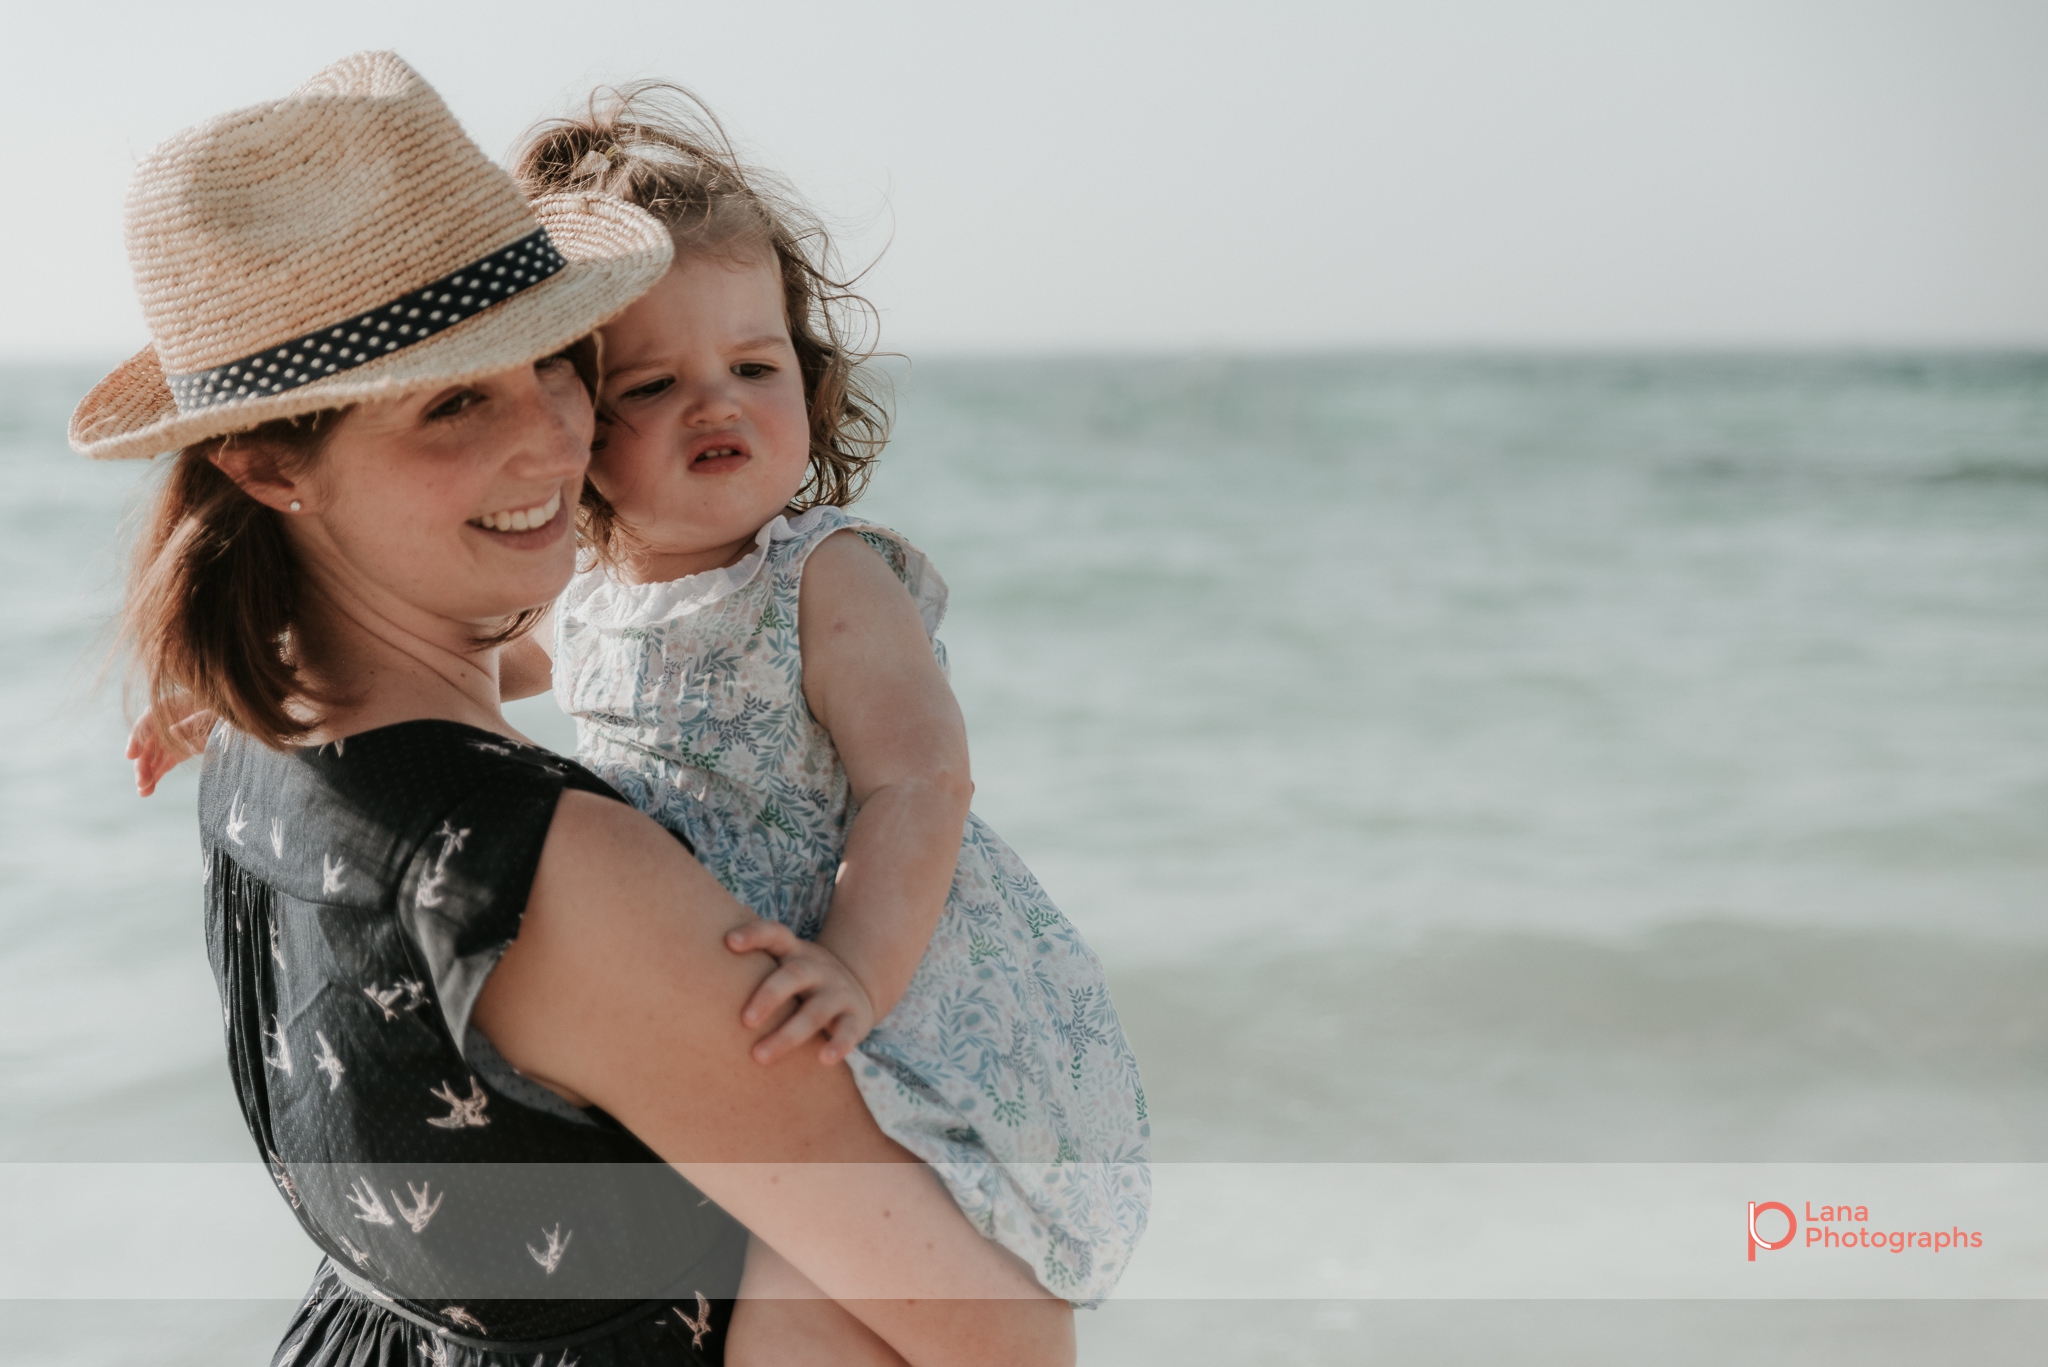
(296, 505)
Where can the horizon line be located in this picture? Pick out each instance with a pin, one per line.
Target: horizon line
(1554, 347)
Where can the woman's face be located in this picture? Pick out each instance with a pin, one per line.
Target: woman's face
(452, 505)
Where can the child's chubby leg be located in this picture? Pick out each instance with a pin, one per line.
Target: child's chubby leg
(782, 1320)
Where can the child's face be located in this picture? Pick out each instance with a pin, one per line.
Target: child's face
(712, 437)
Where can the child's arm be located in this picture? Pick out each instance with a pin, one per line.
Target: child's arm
(871, 681)
(525, 667)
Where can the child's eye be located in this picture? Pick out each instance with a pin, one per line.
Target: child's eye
(648, 390)
(752, 370)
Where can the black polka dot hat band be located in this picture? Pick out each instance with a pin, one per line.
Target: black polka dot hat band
(406, 320)
(346, 244)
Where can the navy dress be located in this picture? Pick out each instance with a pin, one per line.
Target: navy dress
(357, 898)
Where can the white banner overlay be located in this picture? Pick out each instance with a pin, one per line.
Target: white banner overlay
(1239, 1231)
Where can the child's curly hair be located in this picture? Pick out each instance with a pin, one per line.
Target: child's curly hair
(658, 146)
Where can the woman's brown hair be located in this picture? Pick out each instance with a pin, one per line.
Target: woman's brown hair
(657, 145)
(214, 588)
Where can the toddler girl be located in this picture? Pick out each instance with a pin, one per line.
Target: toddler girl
(756, 668)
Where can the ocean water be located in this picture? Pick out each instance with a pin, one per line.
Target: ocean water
(1455, 759)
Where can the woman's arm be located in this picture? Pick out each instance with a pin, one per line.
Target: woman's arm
(620, 990)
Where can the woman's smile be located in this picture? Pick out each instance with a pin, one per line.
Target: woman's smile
(527, 528)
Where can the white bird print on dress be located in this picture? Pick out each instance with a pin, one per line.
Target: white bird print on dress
(489, 747)
(330, 874)
(422, 1209)
(462, 1111)
(701, 1325)
(277, 836)
(436, 1352)
(283, 1178)
(430, 884)
(557, 1246)
(368, 1204)
(328, 1062)
(236, 822)
(275, 952)
(361, 1258)
(386, 998)
(284, 1048)
(463, 1319)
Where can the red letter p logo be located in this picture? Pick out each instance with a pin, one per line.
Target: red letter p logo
(1757, 1240)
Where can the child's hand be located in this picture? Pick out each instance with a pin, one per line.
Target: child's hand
(834, 1002)
(153, 756)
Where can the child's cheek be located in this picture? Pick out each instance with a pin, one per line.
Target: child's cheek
(616, 463)
(793, 419)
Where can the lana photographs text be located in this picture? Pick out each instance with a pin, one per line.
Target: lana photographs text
(1830, 1227)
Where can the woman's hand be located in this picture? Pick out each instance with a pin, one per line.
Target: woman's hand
(164, 737)
(834, 1002)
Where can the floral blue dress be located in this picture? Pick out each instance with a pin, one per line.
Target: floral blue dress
(1004, 1066)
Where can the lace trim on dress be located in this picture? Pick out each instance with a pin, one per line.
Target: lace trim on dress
(600, 600)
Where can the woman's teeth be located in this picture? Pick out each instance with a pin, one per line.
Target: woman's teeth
(523, 519)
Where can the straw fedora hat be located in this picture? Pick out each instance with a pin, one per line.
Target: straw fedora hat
(347, 242)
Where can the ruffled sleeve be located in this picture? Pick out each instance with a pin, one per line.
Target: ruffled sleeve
(464, 891)
(927, 589)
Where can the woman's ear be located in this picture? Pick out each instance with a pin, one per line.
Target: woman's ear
(255, 471)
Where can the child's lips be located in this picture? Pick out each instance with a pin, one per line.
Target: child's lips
(718, 460)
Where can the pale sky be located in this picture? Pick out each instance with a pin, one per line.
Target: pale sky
(1198, 175)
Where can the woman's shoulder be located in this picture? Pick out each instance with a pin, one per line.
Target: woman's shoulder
(406, 759)
(435, 824)
(345, 822)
